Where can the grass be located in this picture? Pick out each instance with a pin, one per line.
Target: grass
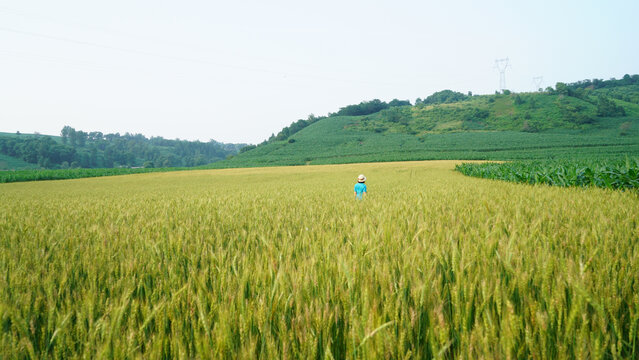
(284, 263)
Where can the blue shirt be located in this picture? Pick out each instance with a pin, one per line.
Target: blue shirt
(360, 189)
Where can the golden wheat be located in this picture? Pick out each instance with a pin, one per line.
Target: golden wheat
(285, 263)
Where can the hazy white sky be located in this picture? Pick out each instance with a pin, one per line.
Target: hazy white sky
(237, 71)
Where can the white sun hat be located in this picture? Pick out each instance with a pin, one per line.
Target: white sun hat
(361, 178)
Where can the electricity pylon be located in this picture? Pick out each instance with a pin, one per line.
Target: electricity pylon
(538, 80)
(501, 65)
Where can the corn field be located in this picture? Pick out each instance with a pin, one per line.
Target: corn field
(77, 173)
(285, 263)
(611, 174)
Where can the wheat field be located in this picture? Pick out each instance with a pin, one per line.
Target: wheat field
(285, 263)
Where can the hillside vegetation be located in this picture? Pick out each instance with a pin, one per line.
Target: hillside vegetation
(79, 149)
(9, 162)
(529, 112)
(586, 119)
(591, 118)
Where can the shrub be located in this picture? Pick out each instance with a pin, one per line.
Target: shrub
(608, 108)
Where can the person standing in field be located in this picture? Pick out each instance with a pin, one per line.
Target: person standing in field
(360, 187)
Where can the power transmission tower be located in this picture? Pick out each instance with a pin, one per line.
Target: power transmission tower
(501, 65)
(538, 80)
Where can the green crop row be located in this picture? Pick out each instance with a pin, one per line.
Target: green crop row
(63, 174)
(611, 174)
(338, 140)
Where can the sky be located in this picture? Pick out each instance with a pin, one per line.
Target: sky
(239, 71)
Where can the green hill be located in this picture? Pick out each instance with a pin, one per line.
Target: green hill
(11, 163)
(585, 119)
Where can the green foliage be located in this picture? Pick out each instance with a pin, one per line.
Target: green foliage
(563, 89)
(598, 84)
(342, 140)
(96, 150)
(12, 163)
(628, 93)
(607, 107)
(397, 115)
(612, 174)
(443, 97)
(624, 128)
(75, 173)
(369, 107)
(575, 113)
(295, 127)
(540, 112)
(554, 124)
(247, 148)
(363, 108)
(529, 127)
(518, 100)
(396, 102)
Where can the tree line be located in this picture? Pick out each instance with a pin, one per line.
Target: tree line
(606, 90)
(443, 97)
(369, 107)
(77, 148)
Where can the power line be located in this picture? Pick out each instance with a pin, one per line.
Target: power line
(39, 17)
(133, 51)
(184, 59)
(285, 74)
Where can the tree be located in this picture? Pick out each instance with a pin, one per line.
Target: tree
(95, 136)
(518, 100)
(608, 108)
(247, 148)
(396, 102)
(96, 150)
(392, 115)
(561, 88)
(66, 133)
(363, 108)
(81, 138)
(444, 97)
(529, 127)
